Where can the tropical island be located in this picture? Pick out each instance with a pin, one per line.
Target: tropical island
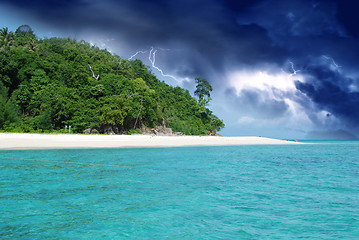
(47, 84)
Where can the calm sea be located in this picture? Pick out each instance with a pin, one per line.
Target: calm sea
(235, 192)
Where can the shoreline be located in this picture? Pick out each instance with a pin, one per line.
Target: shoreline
(61, 141)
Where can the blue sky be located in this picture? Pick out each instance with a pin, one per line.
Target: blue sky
(284, 69)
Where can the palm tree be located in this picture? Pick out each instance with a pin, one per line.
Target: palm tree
(32, 45)
(6, 39)
(3, 35)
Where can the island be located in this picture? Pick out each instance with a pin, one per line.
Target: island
(60, 85)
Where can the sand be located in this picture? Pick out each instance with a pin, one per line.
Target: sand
(43, 141)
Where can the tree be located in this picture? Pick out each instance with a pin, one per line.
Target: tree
(25, 30)
(9, 111)
(203, 91)
(6, 39)
(32, 45)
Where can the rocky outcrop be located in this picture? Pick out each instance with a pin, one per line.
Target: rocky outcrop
(157, 131)
(162, 131)
(95, 131)
(91, 131)
(110, 130)
(106, 130)
(213, 133)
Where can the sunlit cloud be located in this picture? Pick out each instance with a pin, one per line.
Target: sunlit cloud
(270, 88)
(264, 81)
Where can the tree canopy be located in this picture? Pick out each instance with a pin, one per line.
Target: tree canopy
(203, 91)
(49, 83)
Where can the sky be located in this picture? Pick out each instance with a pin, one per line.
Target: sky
(279, 68)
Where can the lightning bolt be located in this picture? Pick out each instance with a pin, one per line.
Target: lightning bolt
(152, 59)
(294, 71)
(336, 66)
(134, 55)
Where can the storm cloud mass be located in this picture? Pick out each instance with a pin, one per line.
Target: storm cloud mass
(279, 68)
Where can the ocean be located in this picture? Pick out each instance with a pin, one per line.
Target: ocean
(234, 192)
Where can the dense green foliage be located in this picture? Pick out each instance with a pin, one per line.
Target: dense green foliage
(45, 84)
(203, 91)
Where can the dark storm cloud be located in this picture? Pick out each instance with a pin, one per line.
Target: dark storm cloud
(316, 40)
(208, 37)
(284, 19)
(332, 92)
(251, 102)
(347, 14)
(206, 28)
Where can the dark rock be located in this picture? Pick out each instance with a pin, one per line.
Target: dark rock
(94, 131)
(213, 133)
(109, 130)
(91, 131)
(163, 131)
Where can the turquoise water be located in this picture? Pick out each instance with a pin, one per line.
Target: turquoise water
(235, 192)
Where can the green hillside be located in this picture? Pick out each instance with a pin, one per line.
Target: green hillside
(49, 83)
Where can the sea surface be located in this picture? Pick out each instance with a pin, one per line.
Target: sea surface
(235, 192)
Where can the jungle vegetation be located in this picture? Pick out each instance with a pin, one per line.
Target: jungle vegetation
(46, 84)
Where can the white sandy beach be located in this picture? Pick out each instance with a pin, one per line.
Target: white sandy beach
(39, 141)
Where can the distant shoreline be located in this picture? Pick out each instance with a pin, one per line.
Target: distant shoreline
(58, 141)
